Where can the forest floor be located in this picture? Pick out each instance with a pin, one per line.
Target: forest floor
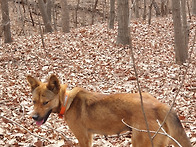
(89, 57)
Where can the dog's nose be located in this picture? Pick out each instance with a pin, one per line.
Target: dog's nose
(35, 116)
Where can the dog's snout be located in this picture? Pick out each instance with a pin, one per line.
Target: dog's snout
(35, 116)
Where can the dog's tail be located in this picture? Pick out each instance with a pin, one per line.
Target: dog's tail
(175, 129)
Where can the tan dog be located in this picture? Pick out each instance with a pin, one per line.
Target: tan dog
(87, 113)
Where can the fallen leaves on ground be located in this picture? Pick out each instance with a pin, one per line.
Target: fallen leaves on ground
(89, 57)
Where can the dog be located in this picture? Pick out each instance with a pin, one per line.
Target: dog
(87, 113)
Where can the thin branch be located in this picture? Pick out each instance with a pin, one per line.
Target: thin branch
(181, 85)
(24, 128)
(161, 133)
(169, 135)
(140, 93)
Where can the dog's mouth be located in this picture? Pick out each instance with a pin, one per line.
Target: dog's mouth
(41, 121)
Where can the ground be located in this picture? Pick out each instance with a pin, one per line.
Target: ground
(89, 57)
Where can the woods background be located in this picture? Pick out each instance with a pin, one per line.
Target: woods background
(81, 41)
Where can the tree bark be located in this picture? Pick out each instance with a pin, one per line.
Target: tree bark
(93, 11)
(194, 7)
(76, 13)
(112, 14)
(46, 20)
(144, 13)
(49, 9)
(185, 27)
(156, 7)
(181, 52)
(137, 15)
(6, 21)
(149, 14)
(164, 7)
(123, 36)
(65, 16)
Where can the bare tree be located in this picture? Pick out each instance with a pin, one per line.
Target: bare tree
(46, 20)
(49, 9)
(164, 7)
(144, 13)
(137, 15)
(181, 53)
(93, 11)
(185, 27)
(112, 14)
(194, 7)
(156, 7)
(76, 13)
(123, 36)
(6, 21)
(157, 10)
(65, 16)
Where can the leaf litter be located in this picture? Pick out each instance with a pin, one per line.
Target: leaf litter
(89, 57)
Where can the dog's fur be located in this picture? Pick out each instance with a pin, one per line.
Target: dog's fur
(88, 113)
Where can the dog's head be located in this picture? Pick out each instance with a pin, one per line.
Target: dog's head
(45, 98)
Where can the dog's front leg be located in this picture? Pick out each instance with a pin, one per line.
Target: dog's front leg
(84, 137)
(85, 140)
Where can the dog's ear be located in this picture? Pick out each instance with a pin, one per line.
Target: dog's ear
(53, 84)
(34, 83)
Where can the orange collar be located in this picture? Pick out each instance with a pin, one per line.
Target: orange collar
(63, 108)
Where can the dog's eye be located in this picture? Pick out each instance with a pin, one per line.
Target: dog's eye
(34, 102)
(44, 103)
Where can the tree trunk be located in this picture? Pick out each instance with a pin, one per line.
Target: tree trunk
(123, 36)
(194, 7)
(93, 11)
(112, 14)
(149, 14)
(137, 15)
(163, 12)
(6, 21)
(76, 13)
(156, 7)
(144, 13)
(181, 52)
(49, 9)
(65, 16)
(185, 27)
(47, 22)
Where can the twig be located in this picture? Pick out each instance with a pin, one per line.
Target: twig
(169, 135)
(161, 133)
(140, 93)
(24, 128)
(181, 85)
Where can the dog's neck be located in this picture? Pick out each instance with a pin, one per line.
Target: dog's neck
(64, 106)
(61, 98)
(68, 101)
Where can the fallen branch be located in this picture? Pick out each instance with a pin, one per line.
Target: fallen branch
(146, 131)
(24, 128)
